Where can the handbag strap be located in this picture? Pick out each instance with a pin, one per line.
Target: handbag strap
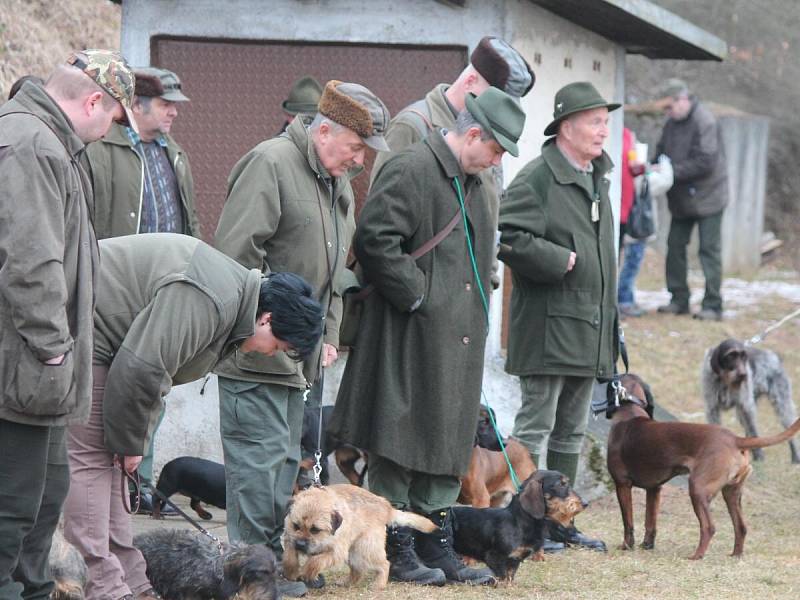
(419, 252)
(421, 115)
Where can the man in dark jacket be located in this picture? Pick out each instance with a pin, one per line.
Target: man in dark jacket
(693, 141)
(168, 308)
(48, 260)
(411, 389)
(290, 207)
(557, 237)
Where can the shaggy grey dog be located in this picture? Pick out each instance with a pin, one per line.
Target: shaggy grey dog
(67, 568)
(735, 376)
(186, 564)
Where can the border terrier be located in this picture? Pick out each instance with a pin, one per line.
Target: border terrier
(342, 524)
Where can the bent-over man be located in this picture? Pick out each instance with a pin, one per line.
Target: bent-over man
(168, 308)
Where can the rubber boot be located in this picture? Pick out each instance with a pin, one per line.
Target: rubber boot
(436, 551)
(404, 564)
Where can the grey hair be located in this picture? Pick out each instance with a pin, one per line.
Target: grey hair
(319, 119)
(466, 121)
(145, 102)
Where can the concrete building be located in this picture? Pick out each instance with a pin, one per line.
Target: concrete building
(237, 60)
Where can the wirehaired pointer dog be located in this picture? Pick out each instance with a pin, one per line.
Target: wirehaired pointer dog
(736, 376)
(338, 524)
(504, 537)
(646, 454)
(187, 565)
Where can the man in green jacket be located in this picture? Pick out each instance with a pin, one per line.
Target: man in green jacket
(142, 181)
(493, 62)
(410, 393)
(168, 308)
(290, 207)
(48, 260)
(143, 184)
(557, 237)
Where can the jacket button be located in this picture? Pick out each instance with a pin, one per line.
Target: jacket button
(329, 244)
(468, 286)
(133, 215)
(465, 340)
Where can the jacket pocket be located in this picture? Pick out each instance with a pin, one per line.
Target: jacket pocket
(41, 389)
(572, 333)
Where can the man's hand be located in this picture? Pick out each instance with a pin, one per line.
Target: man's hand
(571, 262)
(56, 360)
(329, 355)
(128, 463)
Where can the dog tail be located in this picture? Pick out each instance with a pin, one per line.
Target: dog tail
(748, 443)
(408, 519)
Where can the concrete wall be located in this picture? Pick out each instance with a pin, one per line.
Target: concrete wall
(559, 52)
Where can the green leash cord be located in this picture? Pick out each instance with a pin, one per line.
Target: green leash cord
(457, 185)
(460, 195)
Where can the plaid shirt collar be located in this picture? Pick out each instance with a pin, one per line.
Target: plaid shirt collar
(136, 140)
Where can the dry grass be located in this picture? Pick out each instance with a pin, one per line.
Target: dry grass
(36, 35)
(667, 352)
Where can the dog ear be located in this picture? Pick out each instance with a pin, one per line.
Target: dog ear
(714, 360)
(336, 521)
(648, 396)
(532, 499)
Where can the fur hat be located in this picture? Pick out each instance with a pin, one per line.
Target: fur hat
(502, 66)
(355, 107)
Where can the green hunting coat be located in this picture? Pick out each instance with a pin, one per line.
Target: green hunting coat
(560, 323)
(412, 384)
(48, 264)
(168, 307)
(408, 127)
(117, 174)
(280, 215)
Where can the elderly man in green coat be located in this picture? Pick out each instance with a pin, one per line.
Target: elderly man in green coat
(290, 207)
(168, 307)
(48, 264)
(411, 389)
(557, 237)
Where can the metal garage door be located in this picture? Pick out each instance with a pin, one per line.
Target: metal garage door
(237, 88)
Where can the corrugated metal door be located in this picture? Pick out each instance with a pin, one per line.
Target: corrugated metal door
(237, 87)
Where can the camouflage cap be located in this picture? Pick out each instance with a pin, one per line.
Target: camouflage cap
(111, 72)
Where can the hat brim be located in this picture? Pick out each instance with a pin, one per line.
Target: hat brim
(175, 96)
(377, 142)
(128, 120)
(476, 111)
(552, 128)
(296, 108)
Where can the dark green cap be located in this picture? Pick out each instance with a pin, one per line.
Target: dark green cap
(499, 114)
(574, 98)
(303, 97)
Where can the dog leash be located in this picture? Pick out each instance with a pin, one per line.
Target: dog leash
(317, 468)
(514, 478)
(758, 338)
(139, 480)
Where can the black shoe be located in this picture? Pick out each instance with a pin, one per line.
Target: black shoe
(404, 564)
(290, 589)
(436, 551)
(572, 537)
(674, 309)
(146, 505)
(708, 314)
(551, 547)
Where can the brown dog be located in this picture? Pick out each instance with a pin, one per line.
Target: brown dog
(340, 524)
(647, 454)
(488, 480)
